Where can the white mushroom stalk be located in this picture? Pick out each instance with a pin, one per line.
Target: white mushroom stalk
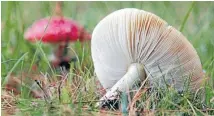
(131, 44)
(134, 73)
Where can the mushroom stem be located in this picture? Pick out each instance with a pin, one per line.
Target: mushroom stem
(61, 52)
(135, 73)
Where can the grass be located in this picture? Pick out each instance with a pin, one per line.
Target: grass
(78, 92)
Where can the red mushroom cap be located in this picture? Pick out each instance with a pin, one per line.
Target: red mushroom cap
(59, 29)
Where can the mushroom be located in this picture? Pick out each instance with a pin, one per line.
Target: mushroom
(132, 45)
(59, 32)
(59, 29)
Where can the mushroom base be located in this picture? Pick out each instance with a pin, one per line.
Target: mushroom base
(61, 58)
(135, 73)
(64, 64)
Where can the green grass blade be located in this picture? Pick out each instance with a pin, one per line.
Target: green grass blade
(186, 16)
(15, 65)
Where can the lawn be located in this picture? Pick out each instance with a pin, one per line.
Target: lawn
(78, 93)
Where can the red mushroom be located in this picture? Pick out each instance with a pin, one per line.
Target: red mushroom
(57, 30)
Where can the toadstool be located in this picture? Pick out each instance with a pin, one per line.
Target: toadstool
(131, 45)
(59, 32)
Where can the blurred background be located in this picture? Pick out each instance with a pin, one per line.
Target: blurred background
(16, 17)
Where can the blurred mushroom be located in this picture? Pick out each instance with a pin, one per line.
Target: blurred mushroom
(131, 45)
(59, 32)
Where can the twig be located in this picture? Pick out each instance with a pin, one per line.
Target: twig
(58, 9)
(45, 94)
(60, 85)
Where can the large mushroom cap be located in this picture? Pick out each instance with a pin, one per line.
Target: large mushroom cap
(130, 36)
(59, 29)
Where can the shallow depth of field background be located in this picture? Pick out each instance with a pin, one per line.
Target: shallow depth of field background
(17, 54)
